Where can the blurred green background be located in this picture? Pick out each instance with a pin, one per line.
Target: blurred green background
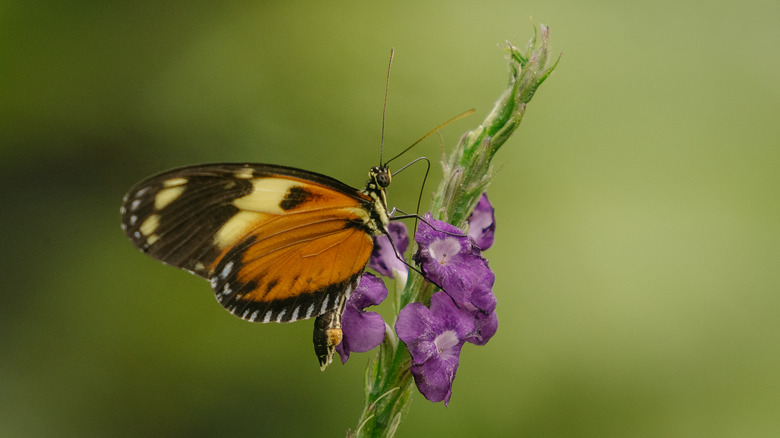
(638, 246)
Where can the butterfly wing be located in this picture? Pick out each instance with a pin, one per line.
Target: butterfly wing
(293, 266)
(277, 243)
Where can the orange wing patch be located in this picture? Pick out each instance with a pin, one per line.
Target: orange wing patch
(301, 251)
(294, 268)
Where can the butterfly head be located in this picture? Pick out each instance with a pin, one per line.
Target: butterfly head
(379, 175)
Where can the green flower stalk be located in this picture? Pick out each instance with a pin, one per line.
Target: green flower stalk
(467, 173)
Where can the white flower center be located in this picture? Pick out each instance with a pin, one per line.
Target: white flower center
(445, 342)
(443, 249)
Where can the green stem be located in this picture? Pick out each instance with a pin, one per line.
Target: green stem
(388, 391)
(467, 173)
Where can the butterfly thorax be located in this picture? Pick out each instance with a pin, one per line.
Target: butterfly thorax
(378, 179)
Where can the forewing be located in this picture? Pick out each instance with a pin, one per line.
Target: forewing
(175, 216)
(189, 217)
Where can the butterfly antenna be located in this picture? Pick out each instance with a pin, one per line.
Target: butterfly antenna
(384, 107)
(458, 117)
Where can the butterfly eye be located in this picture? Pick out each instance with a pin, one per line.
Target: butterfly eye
(382, 176)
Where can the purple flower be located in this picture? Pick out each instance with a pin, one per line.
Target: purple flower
(434, 338)
(383, 259)
(452, 260)
(486, 327)
(362, 330)
(482, 223)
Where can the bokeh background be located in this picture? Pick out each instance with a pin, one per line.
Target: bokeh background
(638, 248)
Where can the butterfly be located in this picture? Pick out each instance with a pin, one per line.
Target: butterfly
(276, 243)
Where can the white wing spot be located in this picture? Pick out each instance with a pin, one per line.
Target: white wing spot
(245, 173)
(349, 290)
(309, 311)
(281, 314)
(137, 234)
(141, 192)
(166, 196)
(294, 316)
(213, 282)
(238, 226)
(124, 227)
(173, 182)
(226, 289)
(133, 219)
(226, 270)
(253, 317)
(150, 225)
(324, 304)
(122, 210)
(134, 205)
(266, 195)
(267, 316)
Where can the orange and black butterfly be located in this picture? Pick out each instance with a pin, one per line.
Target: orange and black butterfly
(277, 243)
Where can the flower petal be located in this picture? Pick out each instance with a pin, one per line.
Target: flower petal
(383, 259)
(362, 331)
(417, 327)
(434, 378)
(369, 325)
(370, 291)
(482, 298)
(452, 317)
(482, 223)
(487, 325)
